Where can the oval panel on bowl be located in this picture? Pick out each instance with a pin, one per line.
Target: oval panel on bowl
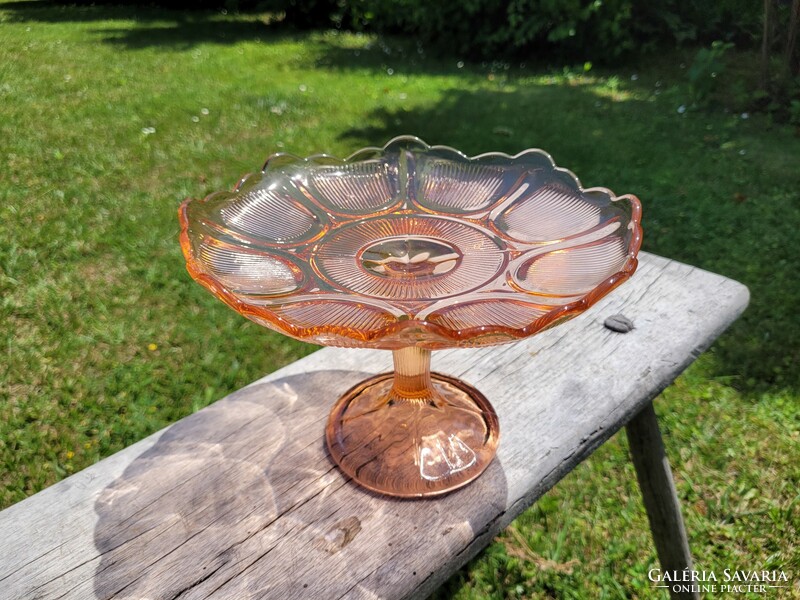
(512, 313)
(270, 213)
(456, 187)
(335, 314)
(248, 272)
(572, 271)
(552, 212)
(356, 188)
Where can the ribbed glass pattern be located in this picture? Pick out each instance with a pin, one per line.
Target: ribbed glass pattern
(269, 215)
(355, 315)
(358, 188)
(551, 212)
(572, 271)
(503, 312)
(461, 187)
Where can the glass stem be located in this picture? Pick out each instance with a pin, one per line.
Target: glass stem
(412, 375)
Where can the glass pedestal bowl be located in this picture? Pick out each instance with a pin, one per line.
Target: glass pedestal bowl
(411, 248)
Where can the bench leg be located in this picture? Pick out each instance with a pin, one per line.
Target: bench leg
(660, 497)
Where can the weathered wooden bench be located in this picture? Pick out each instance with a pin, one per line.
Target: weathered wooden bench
(240, 500)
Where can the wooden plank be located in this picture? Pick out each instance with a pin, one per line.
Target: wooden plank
(660, 497)
(241, 501)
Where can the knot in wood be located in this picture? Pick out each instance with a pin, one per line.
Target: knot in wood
(619, 323)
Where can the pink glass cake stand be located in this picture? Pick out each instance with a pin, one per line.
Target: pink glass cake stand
(411, 248)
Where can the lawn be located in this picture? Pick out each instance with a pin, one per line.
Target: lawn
(109, 117)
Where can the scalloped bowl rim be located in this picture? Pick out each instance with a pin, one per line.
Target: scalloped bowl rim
(441, 333)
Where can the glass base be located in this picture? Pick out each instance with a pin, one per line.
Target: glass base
(406, 446)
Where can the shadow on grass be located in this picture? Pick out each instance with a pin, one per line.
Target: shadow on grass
(703, 205)
(187, 33)
(155, 27)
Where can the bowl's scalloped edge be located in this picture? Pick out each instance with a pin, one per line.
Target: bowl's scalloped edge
(457, 337)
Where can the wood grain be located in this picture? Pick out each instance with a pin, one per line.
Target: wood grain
(240, 500)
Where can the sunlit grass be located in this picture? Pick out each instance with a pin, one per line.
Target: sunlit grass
(109, 117)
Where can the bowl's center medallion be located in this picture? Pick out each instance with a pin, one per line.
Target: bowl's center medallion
(410, 257)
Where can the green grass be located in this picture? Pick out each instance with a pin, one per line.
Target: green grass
(107, 339)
